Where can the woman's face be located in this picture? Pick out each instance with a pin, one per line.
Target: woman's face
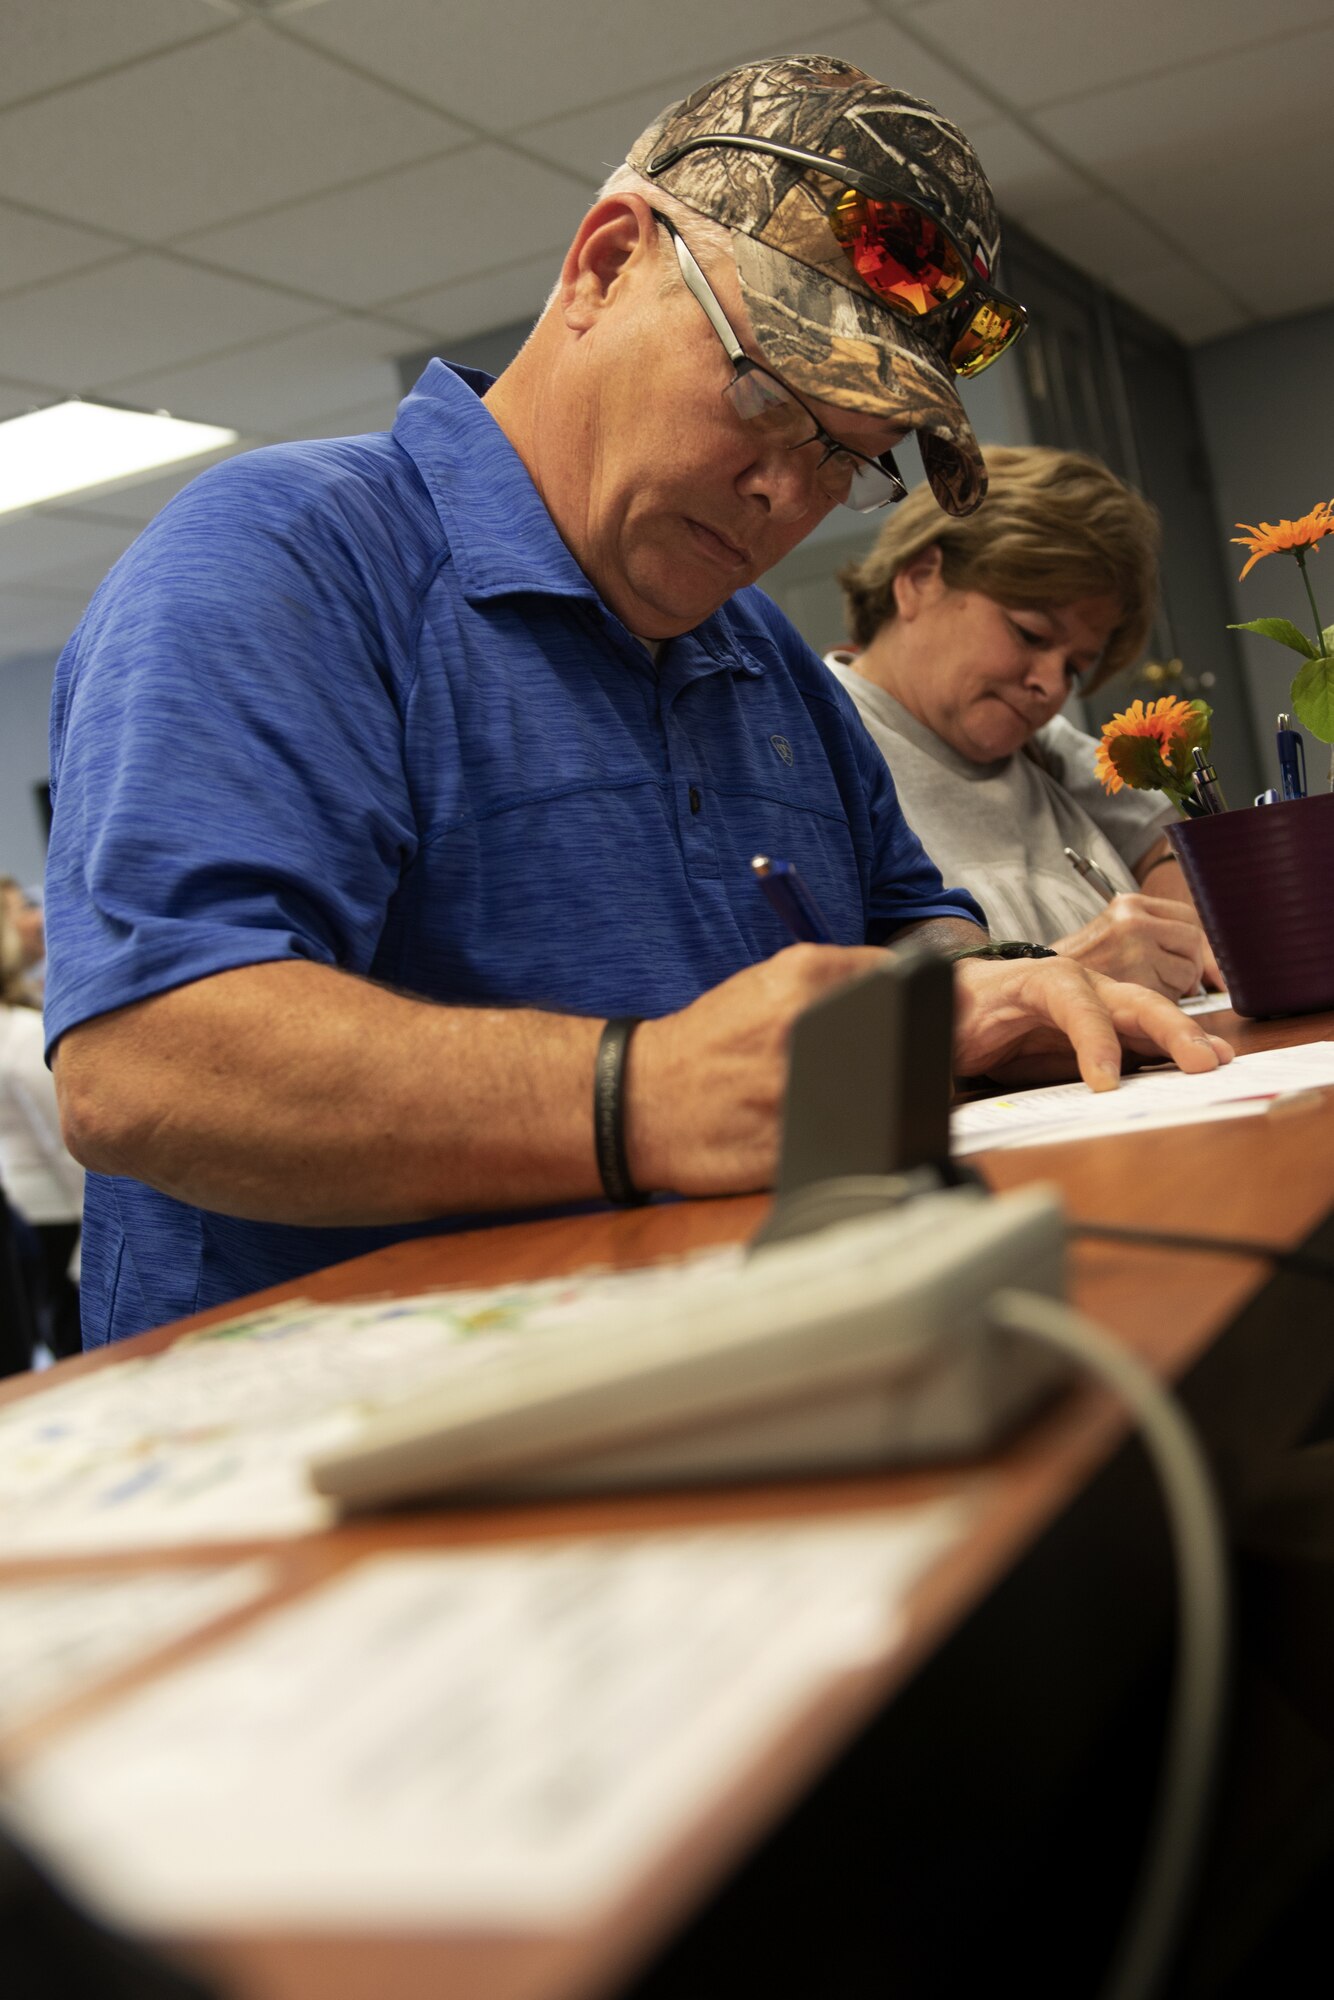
(26, 918)
(985, 676)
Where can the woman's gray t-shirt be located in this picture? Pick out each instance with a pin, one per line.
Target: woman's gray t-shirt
(999, 829)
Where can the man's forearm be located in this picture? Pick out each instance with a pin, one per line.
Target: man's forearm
(293, 1093)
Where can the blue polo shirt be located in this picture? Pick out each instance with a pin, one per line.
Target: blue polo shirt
(354, 701)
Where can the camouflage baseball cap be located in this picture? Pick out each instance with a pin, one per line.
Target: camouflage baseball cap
(817, 323)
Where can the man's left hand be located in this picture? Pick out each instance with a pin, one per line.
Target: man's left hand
(1020, 1020)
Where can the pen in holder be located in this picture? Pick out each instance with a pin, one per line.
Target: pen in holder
(1208, 791)
(1291, 758)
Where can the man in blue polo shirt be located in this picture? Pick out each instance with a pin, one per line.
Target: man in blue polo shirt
(395, 777)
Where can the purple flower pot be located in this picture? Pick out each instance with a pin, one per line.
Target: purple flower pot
(1263, 883)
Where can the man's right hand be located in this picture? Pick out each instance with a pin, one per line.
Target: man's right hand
(1153, 941)
(704, 1087)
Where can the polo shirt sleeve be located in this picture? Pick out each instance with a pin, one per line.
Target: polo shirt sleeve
(226, 746)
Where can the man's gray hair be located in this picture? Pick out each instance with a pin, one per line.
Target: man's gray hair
(711, 241)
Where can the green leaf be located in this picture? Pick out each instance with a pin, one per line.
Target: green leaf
(1313, 698)
(1281, 629)
(1327, 640)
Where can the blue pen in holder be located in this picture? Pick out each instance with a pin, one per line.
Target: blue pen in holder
(1291, 758)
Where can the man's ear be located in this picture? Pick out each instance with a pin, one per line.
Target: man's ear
(616, 237)
(920, 582)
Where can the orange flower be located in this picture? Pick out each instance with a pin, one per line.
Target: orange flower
(1271, 537)
(1166, 722)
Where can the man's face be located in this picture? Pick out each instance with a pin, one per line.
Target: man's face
(681, 502)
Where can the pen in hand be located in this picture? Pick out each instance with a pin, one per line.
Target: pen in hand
(1095, 878)
(791, 900)
(1091, 873)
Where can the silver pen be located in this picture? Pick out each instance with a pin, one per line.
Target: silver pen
(1091, 873)
(1205, 780)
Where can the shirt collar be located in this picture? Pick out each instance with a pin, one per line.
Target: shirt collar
(501, 537)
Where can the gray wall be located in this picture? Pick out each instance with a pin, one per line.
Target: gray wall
(25, 700)
(1268, 413)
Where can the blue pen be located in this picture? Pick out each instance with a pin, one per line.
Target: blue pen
(790, 899)
(1291, 758)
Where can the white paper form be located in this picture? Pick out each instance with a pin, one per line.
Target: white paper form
(61, 1637)
(208, 1441)
(506, 1736)
(1146, 1099)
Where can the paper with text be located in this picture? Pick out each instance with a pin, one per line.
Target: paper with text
(209, 1440)
(1145, 1099)
(60, 1637)
(506, 1737)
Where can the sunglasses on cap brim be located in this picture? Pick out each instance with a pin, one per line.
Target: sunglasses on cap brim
(907, 257)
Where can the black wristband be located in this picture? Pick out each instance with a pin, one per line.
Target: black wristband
(1157, 864)
(609, 1113)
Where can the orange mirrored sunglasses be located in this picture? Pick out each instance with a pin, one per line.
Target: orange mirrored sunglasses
(903, 254)
(908, 258)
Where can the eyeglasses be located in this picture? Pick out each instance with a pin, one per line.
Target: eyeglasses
(769, 408)
(904, 254)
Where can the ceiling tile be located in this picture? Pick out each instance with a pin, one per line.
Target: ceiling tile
(16, 397)
(37, 621)
(137, 501)
(1293, 268)
(1098, 234)
(572, 52)
(1166, 160)
(144, 312)
(404, 230)
(885, 52)
(376, 416)
(1024, 174)
(1139, 134)
(594, 141)
(207, 133)
(272, 390)
(1048, 50)
(40, 547)
(52, 42)
(32, 248)
(454, 312)
(1182, 300)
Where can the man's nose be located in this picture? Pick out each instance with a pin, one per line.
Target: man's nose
(784, 479)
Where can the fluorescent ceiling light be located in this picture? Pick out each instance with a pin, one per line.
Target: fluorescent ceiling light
(73, 446)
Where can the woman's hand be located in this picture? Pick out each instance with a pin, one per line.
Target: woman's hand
(1153, 940)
